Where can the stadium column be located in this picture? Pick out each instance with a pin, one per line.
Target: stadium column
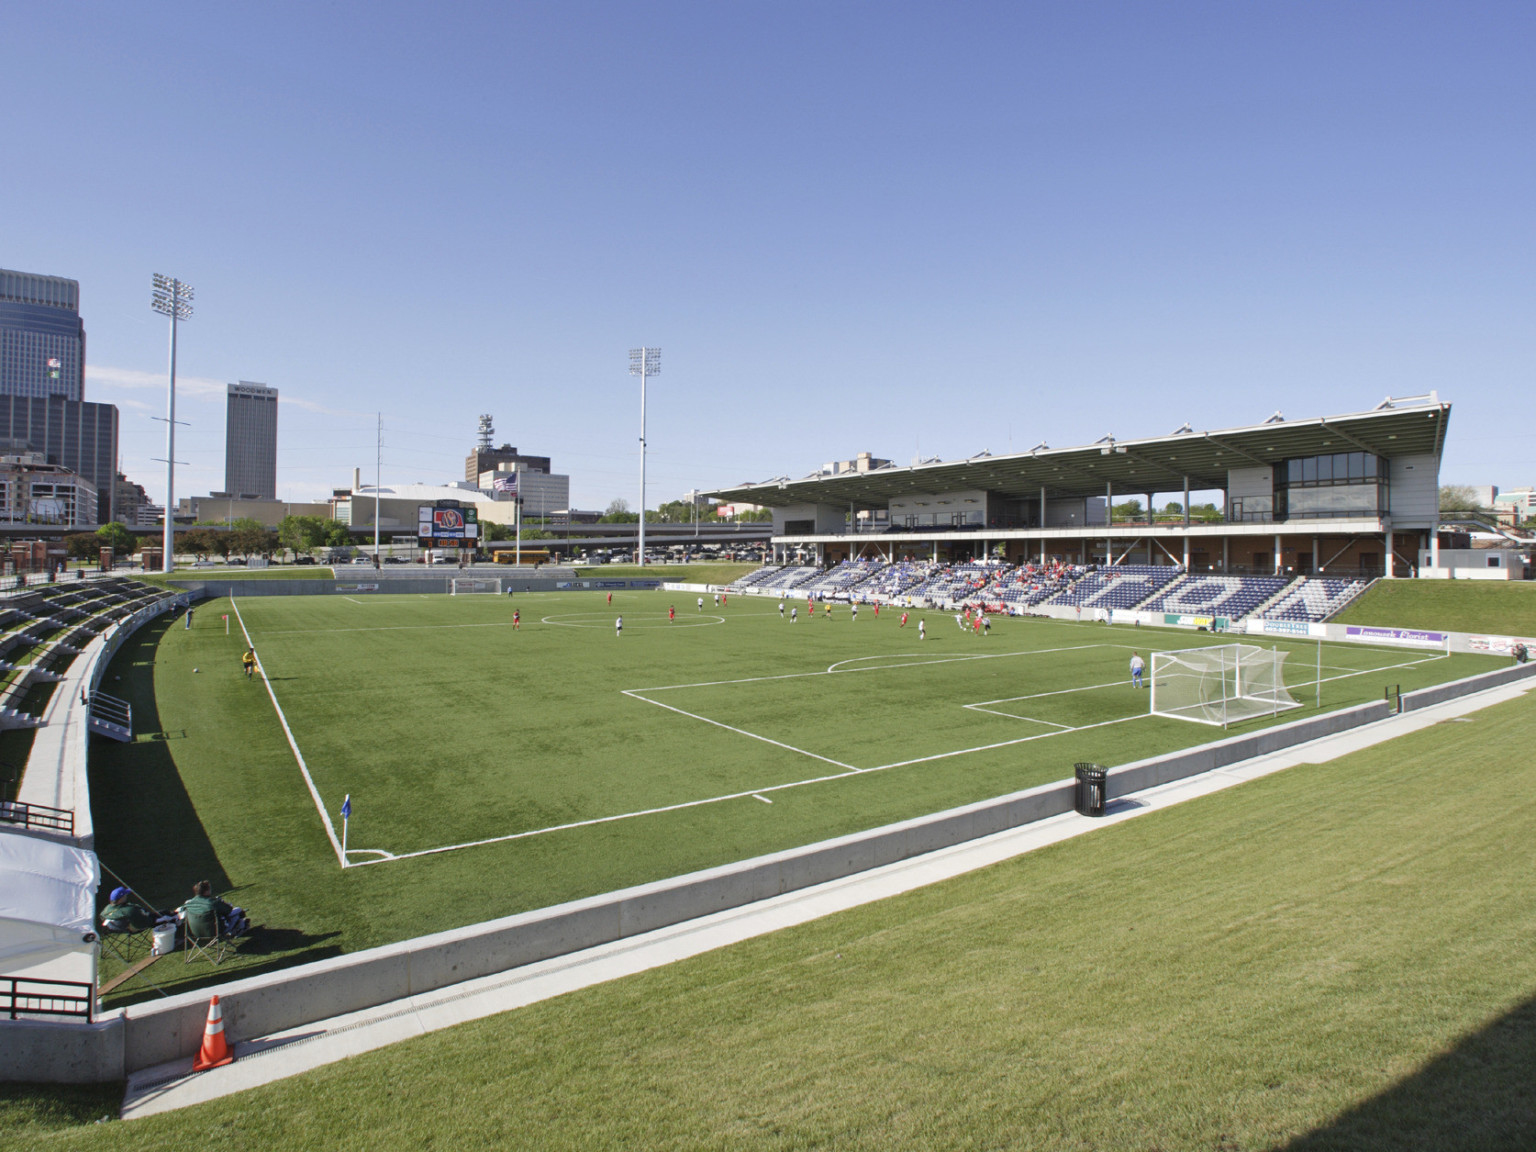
(1279, 560)
(1186, 514)
(1225, 542)
(1391, 556)
(1186, 543)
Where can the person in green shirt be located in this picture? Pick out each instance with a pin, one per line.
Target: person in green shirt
(207, 915)
(122, 915)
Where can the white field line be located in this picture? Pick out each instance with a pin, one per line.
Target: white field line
(1008, 743)
(309, 781)
(325, 817)
(633, 694)
(1038, 695)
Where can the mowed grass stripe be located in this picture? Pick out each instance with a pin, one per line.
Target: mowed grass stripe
(1334, 957)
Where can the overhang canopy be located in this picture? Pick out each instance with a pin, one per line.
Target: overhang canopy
(1414, 427)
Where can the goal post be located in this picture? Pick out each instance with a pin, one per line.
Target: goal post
(1221, 685)
(468, 585)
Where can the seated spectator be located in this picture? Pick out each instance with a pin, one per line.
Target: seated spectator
(122, 915)
(207, 915)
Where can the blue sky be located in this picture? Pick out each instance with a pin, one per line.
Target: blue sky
(850, 227)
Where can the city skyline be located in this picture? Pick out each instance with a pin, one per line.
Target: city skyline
(933, 232)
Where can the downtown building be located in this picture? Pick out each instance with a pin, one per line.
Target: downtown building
(43, 410)
(250, 442)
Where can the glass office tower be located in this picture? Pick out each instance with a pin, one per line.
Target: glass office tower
(42, 339)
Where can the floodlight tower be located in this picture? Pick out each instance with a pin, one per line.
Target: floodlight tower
(643, 362)
(171, 298)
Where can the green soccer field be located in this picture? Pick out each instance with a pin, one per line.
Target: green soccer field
(495, 768)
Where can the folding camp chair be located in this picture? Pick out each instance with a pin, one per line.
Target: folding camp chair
(128, 944)
(203, 937)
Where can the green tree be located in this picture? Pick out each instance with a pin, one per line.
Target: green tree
(753, 516)
(1129, 510)
(116, 537)
(82, 545)
(337, 535)
(302, 533)
(1459, 498)
(494, 531)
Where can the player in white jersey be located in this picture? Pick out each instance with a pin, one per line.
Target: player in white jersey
(1137, 667)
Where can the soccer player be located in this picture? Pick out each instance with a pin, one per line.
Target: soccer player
(701, 603)
(794, 615)
(517, 620)
(903, 620)
(618, 626)
(671, 613)
(610, 598)
(922, 629)
(976, 624)
(1136, 669)
(249, 662)
(717, 599)
(959, 622)
(877, 609)
(781, 609)
(986, 625)
(855, 611)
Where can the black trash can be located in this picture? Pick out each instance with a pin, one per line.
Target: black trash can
(1092, 785)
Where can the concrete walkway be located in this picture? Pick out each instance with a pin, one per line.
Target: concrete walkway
(53, 776)
(268, 1058)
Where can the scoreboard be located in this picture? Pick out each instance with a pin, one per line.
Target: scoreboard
(446, 524)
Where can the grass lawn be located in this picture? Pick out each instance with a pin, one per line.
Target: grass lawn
(722, 573)
(1504, 608)
(1334, 957)
(493, 771)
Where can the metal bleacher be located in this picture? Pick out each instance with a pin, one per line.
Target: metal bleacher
(1313, 600)
(1231, 596)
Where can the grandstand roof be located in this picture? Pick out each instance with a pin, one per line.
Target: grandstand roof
(1403, 427)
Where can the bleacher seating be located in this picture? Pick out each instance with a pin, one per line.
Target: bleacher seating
(1117, 586)
(1230, 596)
(956, 582)
(1314, 600)
(754, 579)
(790, 576)
(1021, 588)
(896, 580)
(842, 579)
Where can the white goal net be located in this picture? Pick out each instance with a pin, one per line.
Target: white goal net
(465, 585)
(1223, 685)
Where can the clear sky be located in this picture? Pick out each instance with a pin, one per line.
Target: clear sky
(896, 228)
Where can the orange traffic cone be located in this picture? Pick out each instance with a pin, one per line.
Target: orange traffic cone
(215, 1050)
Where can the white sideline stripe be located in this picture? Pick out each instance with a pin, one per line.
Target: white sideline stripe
(1008, 743)
(764, 799)
(1038, 695)
(330, 829)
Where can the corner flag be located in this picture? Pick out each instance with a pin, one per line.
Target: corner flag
(346, 807)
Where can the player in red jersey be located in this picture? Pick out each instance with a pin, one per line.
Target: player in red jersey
(671, 612)
(903, 620)
(517, 620)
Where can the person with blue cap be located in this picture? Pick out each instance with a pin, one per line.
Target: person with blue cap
(123, 915)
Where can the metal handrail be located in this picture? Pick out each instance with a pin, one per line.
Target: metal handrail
(22, 996)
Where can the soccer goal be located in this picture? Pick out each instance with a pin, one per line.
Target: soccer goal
(1223, 685)
(465, 585)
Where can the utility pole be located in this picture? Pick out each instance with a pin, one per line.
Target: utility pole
(643, 362)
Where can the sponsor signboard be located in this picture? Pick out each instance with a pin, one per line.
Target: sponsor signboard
(1214, 623)
(1411, 637)
(354, 587)
(1501, 645)
(1285, 627)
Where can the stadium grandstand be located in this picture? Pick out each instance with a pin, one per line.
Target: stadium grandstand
(1310, 512)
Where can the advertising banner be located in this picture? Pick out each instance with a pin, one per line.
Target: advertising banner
(1410, 637)
(1500, 645)
(1211, 623)
(1287, 628)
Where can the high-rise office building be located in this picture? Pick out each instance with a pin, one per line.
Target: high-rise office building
(250, 442)
(42, 339)
(73, 434)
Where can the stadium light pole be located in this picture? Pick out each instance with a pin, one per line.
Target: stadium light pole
(173, 299)
(643, 362)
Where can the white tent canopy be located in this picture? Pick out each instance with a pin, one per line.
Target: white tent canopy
(47, 901)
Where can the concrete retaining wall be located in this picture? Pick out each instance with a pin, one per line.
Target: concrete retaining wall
(1439, 693)
(163, 1030)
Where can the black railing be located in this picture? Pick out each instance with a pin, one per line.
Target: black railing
(38, 816)
(20, 996)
